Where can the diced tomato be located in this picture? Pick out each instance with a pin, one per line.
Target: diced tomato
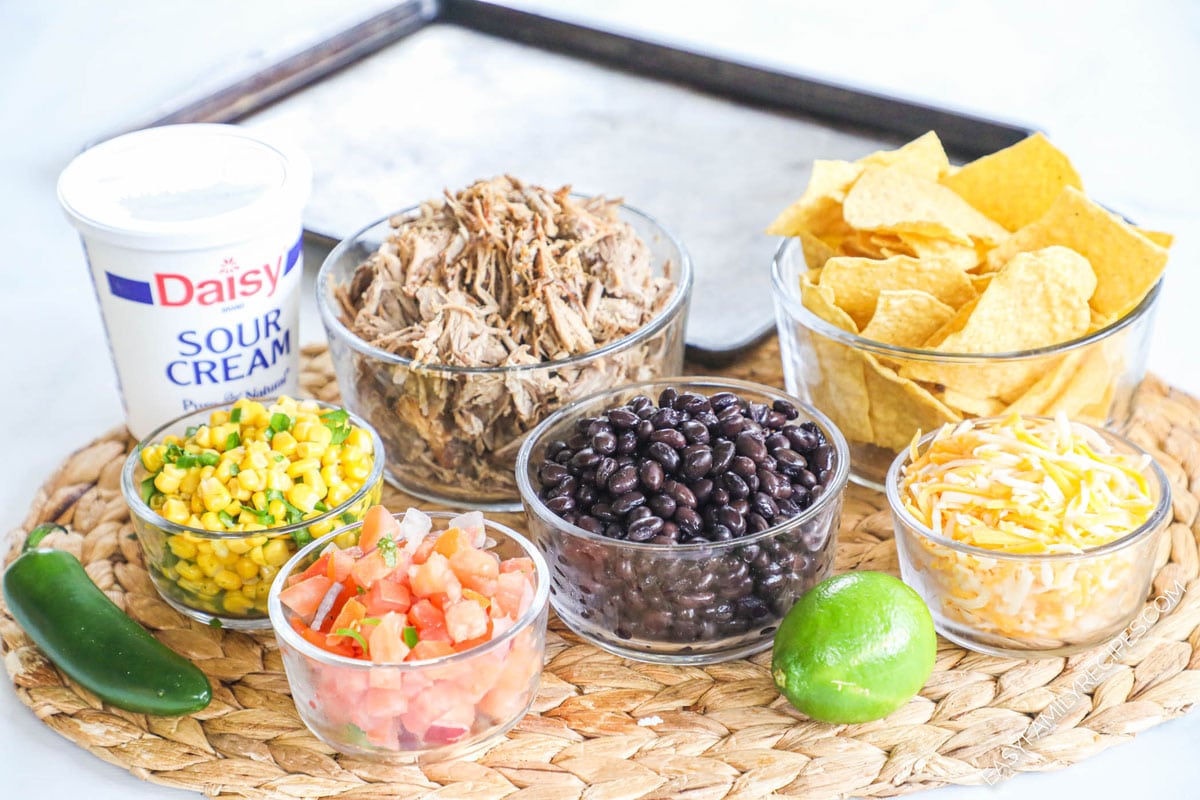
(348, 591)
(387, 640)
(318, 567)
(424, 549)
(321, 640)
(385, 596)
(304, 597)
(452, 541)
(471, 594)
(466, 620)
(341, 562)
(476, 569)
(524, 565)
(377, 523)
(370, 568)
(382, 731)
(428, 648)
(351, 613)
(510, 591)
(425, 615)
(434, 577)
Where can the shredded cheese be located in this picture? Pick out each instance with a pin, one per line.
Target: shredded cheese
(1020, 487)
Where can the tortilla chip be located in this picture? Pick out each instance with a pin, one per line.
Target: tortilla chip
(968, 405)
(923, 157)
(953, 325)
(906, 317)
(857, 282)
(1163, 240)
(1016, 185)
(820, 207)
(816, 250)
(1038, 399)
(821, 301)
(964, 256)
(899, 407)
(1091, 384)
(1035, 300)
(895, 200)
(1126, 263)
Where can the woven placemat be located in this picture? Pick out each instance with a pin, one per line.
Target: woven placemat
(603, 727)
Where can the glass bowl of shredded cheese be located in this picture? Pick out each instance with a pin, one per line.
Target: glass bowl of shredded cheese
(1028, 536)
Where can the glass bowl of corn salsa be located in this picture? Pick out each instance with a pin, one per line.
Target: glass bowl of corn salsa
(1028, 536)
(222, 497)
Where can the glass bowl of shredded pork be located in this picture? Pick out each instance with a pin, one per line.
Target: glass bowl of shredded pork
(458, 325)
(1029, 536)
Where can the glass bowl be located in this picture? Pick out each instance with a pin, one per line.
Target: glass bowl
(184, 562)
(862, 384)
(692, 603)
(1041, 605)
(433, 709)
(453, 432)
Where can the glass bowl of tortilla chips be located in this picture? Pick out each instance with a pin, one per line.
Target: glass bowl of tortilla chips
(911, 293)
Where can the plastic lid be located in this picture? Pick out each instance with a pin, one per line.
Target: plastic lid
(181, 187)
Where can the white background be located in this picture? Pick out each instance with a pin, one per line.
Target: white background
(1112, 83)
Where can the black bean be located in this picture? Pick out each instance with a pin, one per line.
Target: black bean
(732, 426)
(604, 442)
(555, 447)
(755, 522)
(751, 446)
(743, 466)
(577, 442)
(681, 494)
(627, 502)
(697, 464)
(695, 432)
(806, 479)
(801, 438)
(638, 513)
(590, 523)
(564, 455)
(722, 400)
(623, 418)
(741, 504)
(670, 437)
(644, 429)
(764, 504)
(823, 457)
(646, 412)
(587, 457)
(688, 520)
(702, 490)
(645, 529)
(623, 480)
(627, 442)
(730, 518)
(789, 508)
(719, 496)
(661, 504)
(774, 420)
(605, 470)
(723, 454)
(552, 473)
(667, 397)
(666, 418)
(640, 402)
(733, 483)
(651, 474)
(693, 404)
(663, 454)
(567, 486)
(561, 505)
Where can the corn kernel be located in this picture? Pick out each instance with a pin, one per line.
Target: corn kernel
(303, 497)
(331, 474)
(276, 553)
(313, 479)
(360, 440)
(356, 470)
(208, 564)
(168, 480)
(152, 458)
(262, 591)
(246, 569)
(256, 555)
(176, 511)
(208, 588)
(303, 429)
(303, 465)
(227, 580)
(254, 459)
(211, 521)
(338, 494)
(310, 450)
(320, 528)
(237, 603)
(215, 495)
(203, 436)
(331, 456)
(278, 480)
(238, 546)
(194, 521)
(181, 547)
(283, 442)
(172, 439)
(190, 571)
(190, 481)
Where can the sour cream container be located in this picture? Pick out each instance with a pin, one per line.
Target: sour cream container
(193, 237)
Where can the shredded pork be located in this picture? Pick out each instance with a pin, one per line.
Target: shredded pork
(500, 274)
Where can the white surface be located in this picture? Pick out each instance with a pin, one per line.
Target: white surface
(1112, 84)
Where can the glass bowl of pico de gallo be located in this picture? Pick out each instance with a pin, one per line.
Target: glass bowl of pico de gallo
(425, 640)
(1028, 536)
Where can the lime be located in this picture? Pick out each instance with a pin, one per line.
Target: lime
(855, 648)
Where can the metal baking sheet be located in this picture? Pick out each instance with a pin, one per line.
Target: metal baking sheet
(431, 96)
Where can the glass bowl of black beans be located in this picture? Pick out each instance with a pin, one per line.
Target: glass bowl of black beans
(682, 518)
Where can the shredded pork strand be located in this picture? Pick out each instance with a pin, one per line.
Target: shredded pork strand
(499, 274)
